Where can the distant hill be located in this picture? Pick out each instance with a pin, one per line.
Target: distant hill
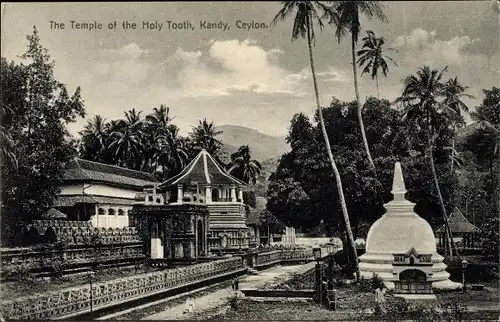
(262, 146)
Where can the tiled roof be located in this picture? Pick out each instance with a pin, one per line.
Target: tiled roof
(55, 214)
(458, 223)
(204, 170)
(70, 201)
(85, 170)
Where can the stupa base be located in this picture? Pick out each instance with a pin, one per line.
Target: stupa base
(447, 285)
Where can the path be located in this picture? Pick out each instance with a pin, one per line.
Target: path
(271, 276)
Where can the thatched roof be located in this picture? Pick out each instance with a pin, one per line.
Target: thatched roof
(458, 224)
(90, 171)
(204, 170)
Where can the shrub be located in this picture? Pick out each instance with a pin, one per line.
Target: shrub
(233, 302)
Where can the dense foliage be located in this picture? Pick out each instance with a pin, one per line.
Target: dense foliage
(36, 145)
(302, 190)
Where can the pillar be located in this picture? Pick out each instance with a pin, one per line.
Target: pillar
(156, 242)
(233, 194)
(180, 194)
(208, 195)
(240, 194)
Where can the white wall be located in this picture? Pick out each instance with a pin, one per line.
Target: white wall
(111, 221)
(71, 189)
(105, 190)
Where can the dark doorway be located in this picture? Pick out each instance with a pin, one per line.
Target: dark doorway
(200, 249)
(215, 194)
(412, 275)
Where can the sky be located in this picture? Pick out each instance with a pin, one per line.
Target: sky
(258, 78)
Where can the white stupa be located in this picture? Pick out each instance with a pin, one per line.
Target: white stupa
(401, 241)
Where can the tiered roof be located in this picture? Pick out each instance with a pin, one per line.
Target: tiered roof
(205, 170)
(85, 170)
(458, 223)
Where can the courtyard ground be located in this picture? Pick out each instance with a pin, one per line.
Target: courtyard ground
(220, 298)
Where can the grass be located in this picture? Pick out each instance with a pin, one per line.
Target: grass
(353, 303)
(14, 289)
(250, 310)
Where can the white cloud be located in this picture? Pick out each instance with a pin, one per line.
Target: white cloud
(244, 66)
(127, 52)
(121, 65)
(421, 45)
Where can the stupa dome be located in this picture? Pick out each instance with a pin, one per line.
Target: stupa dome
(400, 232)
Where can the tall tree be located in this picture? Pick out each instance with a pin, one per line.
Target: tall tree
(487, 116)
(373, 58)
(94, 139)
(203, 136)
(307, 14)
(41, 107)
(424, 99)
(127, 140)
(171, 155)
(243, 167)
(346, 19)
(454, 94)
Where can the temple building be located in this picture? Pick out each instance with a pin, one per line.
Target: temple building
(100, 193)
(196, 213)
(401, 248)
(464, 233)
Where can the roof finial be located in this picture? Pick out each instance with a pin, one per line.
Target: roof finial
(398, 183)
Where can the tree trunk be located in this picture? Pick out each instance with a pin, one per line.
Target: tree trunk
(376, 80)
(358, 102)
(338, 180)
(449, 236)
(453, 149)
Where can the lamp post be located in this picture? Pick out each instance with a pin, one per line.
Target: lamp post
(464, 268)
(317, 257)
(91, 277)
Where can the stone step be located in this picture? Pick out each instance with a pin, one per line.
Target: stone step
(252, 271)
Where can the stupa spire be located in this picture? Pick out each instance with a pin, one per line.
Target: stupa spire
(398, 183)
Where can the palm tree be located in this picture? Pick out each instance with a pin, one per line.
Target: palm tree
(94, 136)
(426, 101)
(346, 18)
(159, 120)
(203, 137)
(305, 17)
(373, 58)
(454, 93)
(243, 167)
(171, 156)
(127, 140)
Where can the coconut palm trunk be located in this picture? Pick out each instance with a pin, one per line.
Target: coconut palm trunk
(376, 80)
(449, 237)
(358, 102)
(332, 160)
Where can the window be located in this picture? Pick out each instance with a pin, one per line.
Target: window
(121, 212)
(101, 212)
(111, 212)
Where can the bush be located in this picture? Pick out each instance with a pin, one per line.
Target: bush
(18, 272)
(449, 311)
(233, 302)
(476, 272)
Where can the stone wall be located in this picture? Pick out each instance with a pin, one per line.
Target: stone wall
(77, 300)
(74, 301)
(80, 232)
(40, 260)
